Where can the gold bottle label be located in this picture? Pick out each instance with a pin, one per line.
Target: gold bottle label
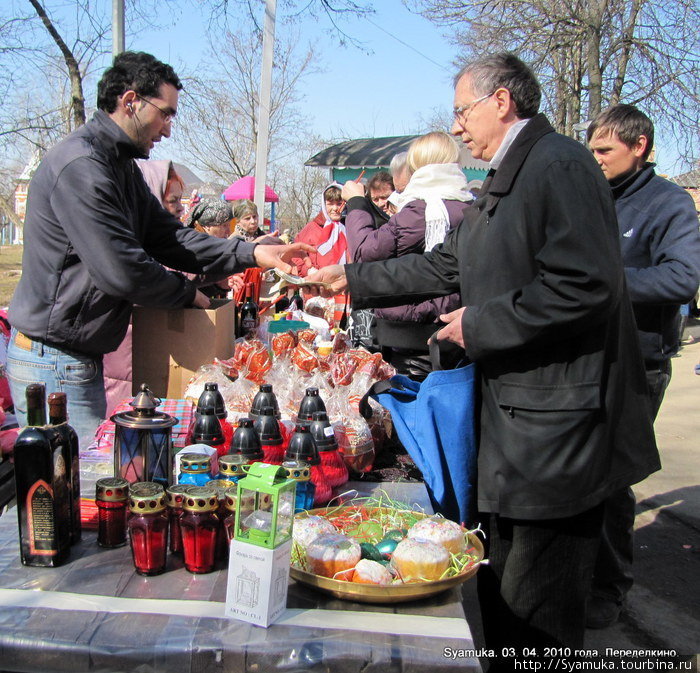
(40, 519)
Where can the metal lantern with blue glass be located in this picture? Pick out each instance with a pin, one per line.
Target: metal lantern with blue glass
(143, 448)
(265, 506)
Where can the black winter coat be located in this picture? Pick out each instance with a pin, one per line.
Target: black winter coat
(564, 413)
(96, 240)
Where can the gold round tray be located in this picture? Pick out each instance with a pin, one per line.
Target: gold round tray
(394, 593)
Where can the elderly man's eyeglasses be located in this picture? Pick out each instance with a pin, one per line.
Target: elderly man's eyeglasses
(464, 110)
(166, 114)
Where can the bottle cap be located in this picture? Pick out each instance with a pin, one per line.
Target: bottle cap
(201, 499)
(301, 446)
(147, 503)
(112, 489)
(246, 441)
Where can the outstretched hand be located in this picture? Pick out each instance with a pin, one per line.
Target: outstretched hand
(278, 256)
(333, 275)
(453, 330)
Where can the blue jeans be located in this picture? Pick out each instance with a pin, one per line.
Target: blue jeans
(79, 376)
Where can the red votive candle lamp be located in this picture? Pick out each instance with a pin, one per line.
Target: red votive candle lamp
(148, 531)
(111, 495)
(175, 498)
(199, 526)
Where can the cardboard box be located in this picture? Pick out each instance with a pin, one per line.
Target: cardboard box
(170, 345)
(258, 580)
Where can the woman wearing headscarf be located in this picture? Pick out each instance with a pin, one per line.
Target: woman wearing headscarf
(245, 216)
(431, 205)
(166, 185)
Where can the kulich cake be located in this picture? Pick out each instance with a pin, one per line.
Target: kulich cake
(307, 529)
(332, 555)
(440, 531)
(420, 560)
(371, 572)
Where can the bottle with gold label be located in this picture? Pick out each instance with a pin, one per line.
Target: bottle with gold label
(68, 440)
(43, 492)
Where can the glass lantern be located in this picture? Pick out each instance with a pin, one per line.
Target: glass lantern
(143, 445)
(265, 506)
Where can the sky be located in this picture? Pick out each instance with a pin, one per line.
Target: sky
(397, 79)
(385, 88)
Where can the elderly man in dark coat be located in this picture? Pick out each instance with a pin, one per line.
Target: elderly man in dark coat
(564, 417)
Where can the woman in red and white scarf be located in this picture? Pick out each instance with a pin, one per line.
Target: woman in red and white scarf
(326, 232)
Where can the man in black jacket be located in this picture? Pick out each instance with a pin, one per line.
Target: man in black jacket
(96, 240)
(564, 418)
(658, 229)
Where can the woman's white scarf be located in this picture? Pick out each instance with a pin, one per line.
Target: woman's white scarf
(434, 184)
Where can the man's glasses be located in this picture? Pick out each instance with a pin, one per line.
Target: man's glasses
(166, 114)
(464, 110)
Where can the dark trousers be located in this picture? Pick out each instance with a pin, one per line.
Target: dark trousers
(612, 577)
(533, 591)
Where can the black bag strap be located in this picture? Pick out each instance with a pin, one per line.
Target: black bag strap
(377, 389)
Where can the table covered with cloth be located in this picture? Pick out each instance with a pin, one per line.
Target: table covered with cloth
(95, 614)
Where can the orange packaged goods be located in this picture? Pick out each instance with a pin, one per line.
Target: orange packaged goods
(283, 344)
(304, 357)
(243, 350)
(342, 369)
(306, 335)
(259, 362)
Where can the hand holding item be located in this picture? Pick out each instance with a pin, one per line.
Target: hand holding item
(453, 330)
(352, 188)
(200, 300)
(278, 256)
(236, 282)
(273, 238)
(333, 276)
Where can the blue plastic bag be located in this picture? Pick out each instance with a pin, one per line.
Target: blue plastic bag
(435, 422)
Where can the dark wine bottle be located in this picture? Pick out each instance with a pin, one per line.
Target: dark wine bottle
(42, 488)
(249, 311)
(67, 438)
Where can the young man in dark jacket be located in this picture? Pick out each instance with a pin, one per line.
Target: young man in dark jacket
(660, 243)
(96, 240)
(563, 418)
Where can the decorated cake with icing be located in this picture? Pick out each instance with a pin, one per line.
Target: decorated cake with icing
(420, 560)
(332, 555)
(441, 531)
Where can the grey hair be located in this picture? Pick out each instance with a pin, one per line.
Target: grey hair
(505, 70)
(398, 163)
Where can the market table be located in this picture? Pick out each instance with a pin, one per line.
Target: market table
(96, 614)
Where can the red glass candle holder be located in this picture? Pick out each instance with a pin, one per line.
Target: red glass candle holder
(200, 526)
(175, 498)
(148, 531)
(111, 495)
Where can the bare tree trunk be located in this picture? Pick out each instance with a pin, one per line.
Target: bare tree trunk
(627, 40)
(9, 212)
(76, 80)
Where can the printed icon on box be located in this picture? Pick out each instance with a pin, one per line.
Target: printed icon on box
(247, 588)
(281, 584)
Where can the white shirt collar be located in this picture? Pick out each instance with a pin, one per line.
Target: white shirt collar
(510, 136)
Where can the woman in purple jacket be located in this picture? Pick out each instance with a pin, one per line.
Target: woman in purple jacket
(428, 208)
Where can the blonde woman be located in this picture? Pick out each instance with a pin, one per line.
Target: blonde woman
(431, 205)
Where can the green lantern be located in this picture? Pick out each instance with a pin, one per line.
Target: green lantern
(265, 506)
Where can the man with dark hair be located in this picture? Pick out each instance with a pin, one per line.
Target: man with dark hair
(658, 230)
(379, 189)
(96, 240)
(563, 415)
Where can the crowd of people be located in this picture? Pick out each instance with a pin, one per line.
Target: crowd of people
(562, 279)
